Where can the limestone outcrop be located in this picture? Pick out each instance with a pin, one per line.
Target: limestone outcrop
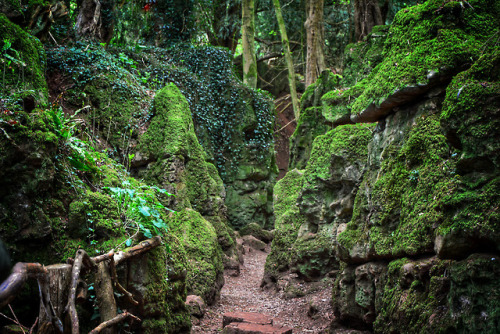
(408, 224)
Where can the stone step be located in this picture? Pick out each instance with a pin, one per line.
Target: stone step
(248, 328)
(249, 317)
(251, 323)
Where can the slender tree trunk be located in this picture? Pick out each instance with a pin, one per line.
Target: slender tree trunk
(247, 32)
(367, 14)
(315, 62)
(288, 58)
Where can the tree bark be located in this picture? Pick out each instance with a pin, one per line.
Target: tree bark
(315, 61)
(54, 295)
(95, 20)
(367, 14)
(247, 41)
(105, 296)
(288, 58)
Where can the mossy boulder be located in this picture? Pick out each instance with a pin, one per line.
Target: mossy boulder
(24, 62)
(176, 159)
(204, 255)
(258, 232)
(333, 173)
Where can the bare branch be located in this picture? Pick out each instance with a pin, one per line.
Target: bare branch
(119, 318)
(142, 247)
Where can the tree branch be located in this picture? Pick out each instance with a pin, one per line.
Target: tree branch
(119, 318)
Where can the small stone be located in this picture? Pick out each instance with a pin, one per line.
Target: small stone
(196, 306)
(253, 242)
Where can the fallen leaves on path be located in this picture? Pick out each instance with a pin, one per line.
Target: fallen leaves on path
(243, 293)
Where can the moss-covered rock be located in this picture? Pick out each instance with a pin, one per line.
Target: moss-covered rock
(257, 231)
(288, 221)
(177, 162)
(431, 295)
(24, 66)
(159, 280)
(425, 46)
(409, 164)
(204, 255)
(310, 123)
(470, 119)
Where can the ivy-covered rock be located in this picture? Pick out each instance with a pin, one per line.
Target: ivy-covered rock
(233, 123)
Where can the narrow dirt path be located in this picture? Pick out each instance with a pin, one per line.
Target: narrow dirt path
(243, 293)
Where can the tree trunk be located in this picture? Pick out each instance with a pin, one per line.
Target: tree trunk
(105, 296)
(315, 62)
(247, 40)
(367, 14)
(225, 33)
(54, 290)
(95, 20)
(288, 58)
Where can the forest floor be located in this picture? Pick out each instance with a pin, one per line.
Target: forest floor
(243, 294)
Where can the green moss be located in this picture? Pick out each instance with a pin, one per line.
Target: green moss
(166, 290)
(408, 193)
(288, 221)
(28, 71)
(171, 129)
(310, 123)
(204, 254)
(360, 58)
(437, 296)
(348, 141)
(309, 126)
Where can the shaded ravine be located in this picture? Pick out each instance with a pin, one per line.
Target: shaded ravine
(243, 294)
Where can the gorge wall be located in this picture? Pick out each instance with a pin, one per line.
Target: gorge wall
(398, 202)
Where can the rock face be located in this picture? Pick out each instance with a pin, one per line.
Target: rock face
(409, 223)
(312, 205)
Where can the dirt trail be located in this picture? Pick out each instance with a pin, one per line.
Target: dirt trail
(243, 293)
